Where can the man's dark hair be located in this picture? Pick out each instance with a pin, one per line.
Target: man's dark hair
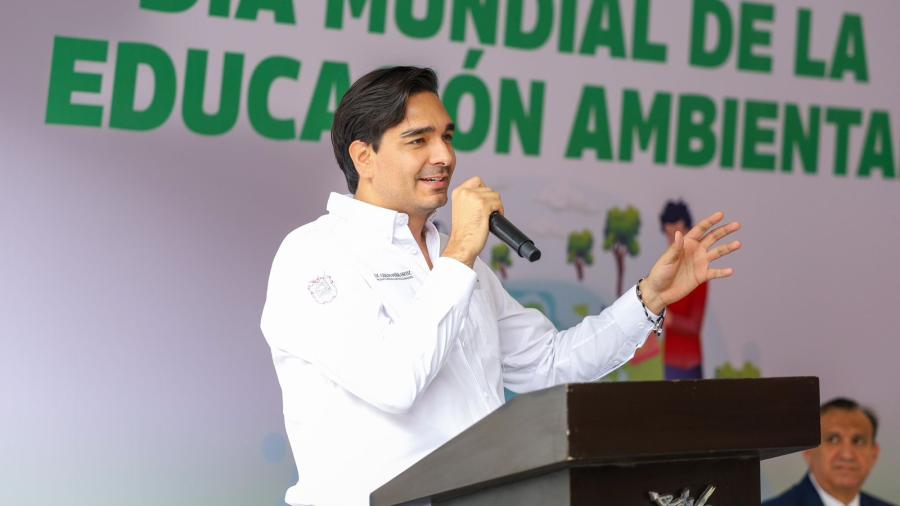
(675, 211)
(375, 103)
(845, 404)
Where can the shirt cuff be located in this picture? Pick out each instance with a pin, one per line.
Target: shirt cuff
(628, 313)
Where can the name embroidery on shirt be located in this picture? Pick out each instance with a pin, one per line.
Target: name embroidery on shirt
(322, 289)
(393, 276)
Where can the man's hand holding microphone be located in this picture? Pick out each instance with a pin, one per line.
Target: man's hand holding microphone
(473, 204)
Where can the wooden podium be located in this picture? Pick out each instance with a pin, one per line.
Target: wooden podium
(615, 443)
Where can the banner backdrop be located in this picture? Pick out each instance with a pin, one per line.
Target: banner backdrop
(155, 152)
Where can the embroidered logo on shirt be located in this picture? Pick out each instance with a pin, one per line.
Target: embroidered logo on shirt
(322, 289)
(393, 276)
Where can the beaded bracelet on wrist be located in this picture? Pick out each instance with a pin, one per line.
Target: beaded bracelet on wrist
(658, 322)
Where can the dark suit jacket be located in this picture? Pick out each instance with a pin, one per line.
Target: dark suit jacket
(804, 494)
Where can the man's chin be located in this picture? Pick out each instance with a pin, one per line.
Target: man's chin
(847, 480)
(435, 201)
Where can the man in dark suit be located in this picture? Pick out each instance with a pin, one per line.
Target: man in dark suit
(840, 465)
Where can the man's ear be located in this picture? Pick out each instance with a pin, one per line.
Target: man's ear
(807, 455)
(363, 157)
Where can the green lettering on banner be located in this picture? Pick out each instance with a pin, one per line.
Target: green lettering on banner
(592, 110)
(643, 48)
(690, 130)
(64, 81)
(457, 88)
(333, 82)
(269, 70)
(517, 36)
(878, 150)
(167, 5)
(283, 10)
(596, 35)
(654, 125)
(195, 118)
(752, 37)
(843, 120)
(220, 8)
(718, 54)
(513, 115)
(850, 50)
(483, 14)
(804, 140)
(804, 64)
(334, 14)
(756, 135)
(473, 57)
(567, 26)
(423, 28)
(729, 134)
(130, 56)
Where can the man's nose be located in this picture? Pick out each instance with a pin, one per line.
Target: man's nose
(441, 153)
(847, 451)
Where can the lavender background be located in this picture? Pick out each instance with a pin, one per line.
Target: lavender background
(133, 265)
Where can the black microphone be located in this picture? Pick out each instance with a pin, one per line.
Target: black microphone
(508, 233)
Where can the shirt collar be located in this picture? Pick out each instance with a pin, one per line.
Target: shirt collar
(827, 499)
(385, 224)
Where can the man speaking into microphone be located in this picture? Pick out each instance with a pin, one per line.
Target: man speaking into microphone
(389, 338)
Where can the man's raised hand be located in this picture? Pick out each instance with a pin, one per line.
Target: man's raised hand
(686, 264)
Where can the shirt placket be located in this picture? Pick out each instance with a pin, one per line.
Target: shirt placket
(468, 342)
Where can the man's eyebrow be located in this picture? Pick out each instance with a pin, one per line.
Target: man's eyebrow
(417, 131)
(425, 130)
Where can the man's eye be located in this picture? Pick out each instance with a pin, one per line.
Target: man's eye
(448, 137)
(417, 141)
(833, 439)
(860, 441)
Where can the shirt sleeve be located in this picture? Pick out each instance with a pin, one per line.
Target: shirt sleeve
(536, 355)
(342, 329)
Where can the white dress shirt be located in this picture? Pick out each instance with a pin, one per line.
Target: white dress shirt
(827, 499)
(382, 360)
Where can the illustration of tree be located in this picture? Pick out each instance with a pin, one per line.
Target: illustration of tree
(749, 370)
(620, 236)
(579, 251)
(500, 259)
